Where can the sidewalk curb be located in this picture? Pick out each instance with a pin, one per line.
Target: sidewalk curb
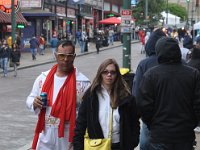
(52, 61)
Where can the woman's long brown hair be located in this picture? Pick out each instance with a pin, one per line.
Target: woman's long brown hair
(120, 88)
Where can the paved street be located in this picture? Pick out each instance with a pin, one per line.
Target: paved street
(17, 123)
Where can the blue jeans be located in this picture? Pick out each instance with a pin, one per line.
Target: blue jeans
(174, 146)
(111, 40)
(4, 64)
(83, 46)
(144, 137)
(34, 52)
(53, 49)
(78, 41)
(15, 68)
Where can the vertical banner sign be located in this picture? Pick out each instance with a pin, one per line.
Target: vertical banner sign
(6, 5)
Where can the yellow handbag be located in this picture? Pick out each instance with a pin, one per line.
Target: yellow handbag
(98, 144)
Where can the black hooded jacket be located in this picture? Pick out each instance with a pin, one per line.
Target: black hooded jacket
(170, 96)
(148, 62)
(195, 60)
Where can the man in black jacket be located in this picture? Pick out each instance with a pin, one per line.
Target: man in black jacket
(170, 99)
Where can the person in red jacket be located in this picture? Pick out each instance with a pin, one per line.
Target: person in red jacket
(142, 40)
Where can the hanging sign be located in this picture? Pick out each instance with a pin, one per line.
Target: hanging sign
(126, 16)
(6, 5)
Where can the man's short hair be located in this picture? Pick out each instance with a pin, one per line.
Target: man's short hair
(64, 43)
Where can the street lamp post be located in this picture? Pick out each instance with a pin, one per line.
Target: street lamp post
(127, 41)
(146, 10)
(187, 22)
(102, 10)
(66, 5)
(13, 20)
(167, 13)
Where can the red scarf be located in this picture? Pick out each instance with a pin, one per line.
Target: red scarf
(64, 107)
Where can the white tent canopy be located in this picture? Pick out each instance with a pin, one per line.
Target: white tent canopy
(197, 26)
(172, 19)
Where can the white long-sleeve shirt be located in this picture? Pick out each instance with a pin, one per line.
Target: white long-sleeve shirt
(105, 114)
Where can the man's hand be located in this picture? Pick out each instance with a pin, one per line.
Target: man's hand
(70, 147)
(37, 103)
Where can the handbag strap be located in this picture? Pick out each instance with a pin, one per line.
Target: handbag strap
(111, 124)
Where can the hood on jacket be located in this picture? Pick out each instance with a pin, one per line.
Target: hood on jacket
(168, 50)
(154, 37)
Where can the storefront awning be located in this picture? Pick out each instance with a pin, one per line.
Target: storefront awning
(6, 18)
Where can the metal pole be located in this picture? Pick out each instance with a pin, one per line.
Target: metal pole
(13, 20)
(102, 10)
(127, 41)
(146, 9)
(66, 5)
(192, 23)
(167, 13)
(187, 23)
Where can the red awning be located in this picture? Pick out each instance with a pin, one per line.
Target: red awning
(6, 18)
(112, 20)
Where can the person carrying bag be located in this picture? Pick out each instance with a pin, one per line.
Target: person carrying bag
(118, 130)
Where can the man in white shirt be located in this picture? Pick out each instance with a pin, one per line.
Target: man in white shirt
(64, 86)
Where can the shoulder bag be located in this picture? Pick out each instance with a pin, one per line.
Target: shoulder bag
(99, 144)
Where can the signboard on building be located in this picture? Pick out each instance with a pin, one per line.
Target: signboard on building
(126, 16)
(61, 11)
(6, 5)
(31, 3)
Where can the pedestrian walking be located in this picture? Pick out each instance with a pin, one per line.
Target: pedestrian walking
(34, 44)
(83, 41)
(142, 40)
(22, 44)
(98, 42)
(64, 86)
(54, 43)
(170, 99)
(111, 36)
(187, 41)
(42, 44)
(78, 37)
(15, 57)
(142, 67)
(5, 55)
(18, 41)
(108, 93)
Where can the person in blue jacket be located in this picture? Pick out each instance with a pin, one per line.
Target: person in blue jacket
(34, 44)
(54, 43)
(143, 66)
